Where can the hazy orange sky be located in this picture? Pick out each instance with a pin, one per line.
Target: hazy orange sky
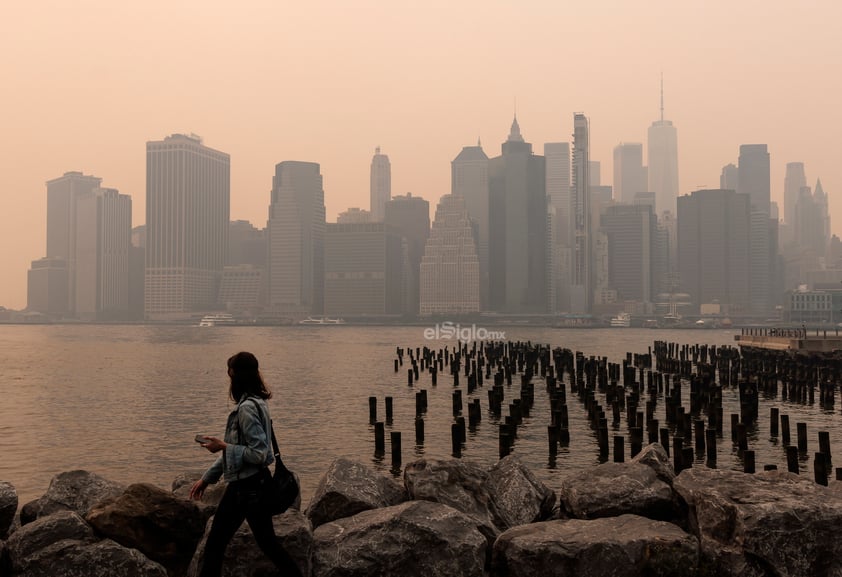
(87, 83)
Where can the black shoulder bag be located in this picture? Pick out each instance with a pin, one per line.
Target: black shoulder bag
(281, 493)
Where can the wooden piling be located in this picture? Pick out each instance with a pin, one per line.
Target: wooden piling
(372, 410)
(792, 459)
(395, 437)
(802, 437)
(379, 438)
(419, 430)
(388, 402)
(748, 462)
(619, 450)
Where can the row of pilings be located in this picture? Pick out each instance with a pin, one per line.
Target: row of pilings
(673, 394)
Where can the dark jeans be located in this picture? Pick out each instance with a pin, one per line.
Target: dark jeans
(240, 502)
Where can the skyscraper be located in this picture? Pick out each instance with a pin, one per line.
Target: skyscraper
(662, 157)
(103, 255)
(381, 184)
(753, 179)
(518, 228)
(469, 179)
(629, 173)
(581, 291)
(794, 180)
(295, 235)
(188, 188)
(631, 232)
(557, 158)
(713, 248)
(62, 195)
(410, 216)
(450, 267)
(729, 177)
(753, 175)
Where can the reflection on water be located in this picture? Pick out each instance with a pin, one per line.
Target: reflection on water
(126, 401)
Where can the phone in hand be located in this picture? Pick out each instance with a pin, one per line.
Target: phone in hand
(200, 439)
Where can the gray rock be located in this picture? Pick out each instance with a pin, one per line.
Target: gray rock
(613, 489)
(770, 523)
(348, 488)
(69, 558)
(457, 483)
(213, 493)
(30, 539)
(71, 491)
(163, 527)
(625, 546)
(654, 455)
(8, 507)
(518, 496)
(243, 558)
(413, 539)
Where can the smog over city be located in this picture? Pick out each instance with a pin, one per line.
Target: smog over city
(92, 87)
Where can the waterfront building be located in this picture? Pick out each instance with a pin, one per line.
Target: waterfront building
(295, 240)
(410, 216)
(713, 248)
(630, 176)
(380, 184)
(518, 228)
(188, 187)
(62, 195)
(557, 159)
(450, 267)
(631, 232)
(354, 216)
(103, 255)
(582, 283)
(364, 265)
(469, 179)
(46, 287)
(662, 158)
(241, 289)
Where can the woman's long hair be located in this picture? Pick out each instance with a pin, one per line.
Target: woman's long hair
(245, 377)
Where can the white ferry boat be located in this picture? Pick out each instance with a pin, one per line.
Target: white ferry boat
(621, 320)
(321, 321)
(217, 320)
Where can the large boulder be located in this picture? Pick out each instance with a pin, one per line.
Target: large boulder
(624, 546)
(71, 491)
(613, 489)
(69, 558)
(349, 487)
(160, 525)
(213, 493)
(413, 539)
(460, 484)
(769, 523)
(518, 496)
(8, 507)
(41, 533)
(243, 558)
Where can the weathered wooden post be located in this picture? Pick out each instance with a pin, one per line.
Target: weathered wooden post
(379, 438)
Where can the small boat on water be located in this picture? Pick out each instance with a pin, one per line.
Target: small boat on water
(321, 321)
(217, 320)
(621, 320)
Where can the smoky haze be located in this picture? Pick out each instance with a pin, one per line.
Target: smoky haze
(88, 83)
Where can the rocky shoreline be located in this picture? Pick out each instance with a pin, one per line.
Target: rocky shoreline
(448, 518)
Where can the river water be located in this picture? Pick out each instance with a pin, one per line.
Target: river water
(126, 401)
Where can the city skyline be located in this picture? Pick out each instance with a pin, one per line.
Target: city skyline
(372, 79)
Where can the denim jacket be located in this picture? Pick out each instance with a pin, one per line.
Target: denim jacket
(247, 456)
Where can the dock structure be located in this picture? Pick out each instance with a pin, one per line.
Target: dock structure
(791, 339)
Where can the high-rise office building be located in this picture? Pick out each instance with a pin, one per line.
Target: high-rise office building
(354, 216)
(713, 248)
(662, 158)
(46, 287)
(630, 176)
(518, 228)
(631, 233)
(729, 177)
(103, 255)
(557, 159)
(62, 195)
(410, 216)
(364, 264)
(469, 179)
(450, 267)
(188, 189)
(812, 221)
(295, 236)
(794, 180)
(753, 179)
(381, 184)
(246, 244)
(582, 283)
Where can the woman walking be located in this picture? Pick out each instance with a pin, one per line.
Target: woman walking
(244, 464)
